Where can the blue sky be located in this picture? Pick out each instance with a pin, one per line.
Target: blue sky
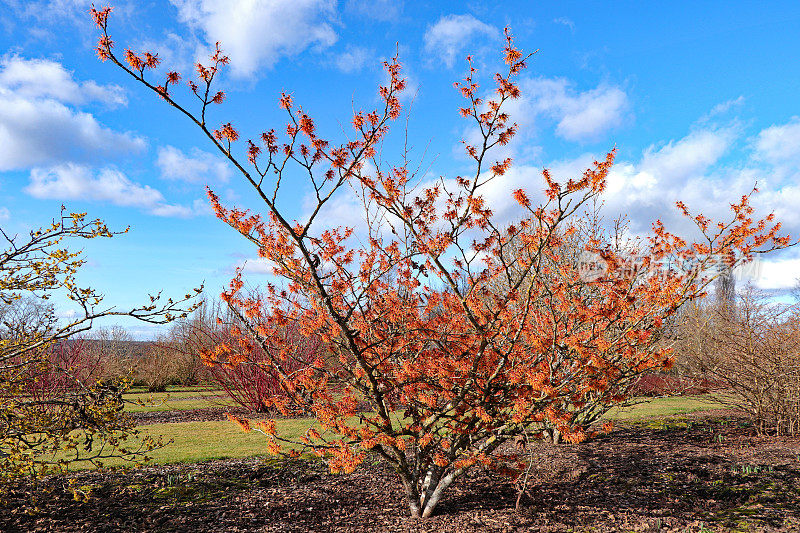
(700, 98)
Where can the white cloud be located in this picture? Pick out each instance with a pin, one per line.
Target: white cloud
(77, 182)
(198, 167)
(696, 169)
(777, 274)
(353, 59)
(256, 265)
(71, 181)
(779, 143)
(723, 108)
(39, 127)
(783, 200)
(383, 10)
(580, 116)
(645, 188)
(256, 33)
(172, 210)
(449, 36)
(43, 78)
(5, 214)
(689, 157)
(42, 132)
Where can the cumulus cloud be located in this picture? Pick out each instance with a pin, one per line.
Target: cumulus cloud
(71, 181)
(39, 124)
(579, 116)
(779, 274)
(779, 143)
(41, 132)
(696, 169)
(256, 33)
(646, 187)
(198, 167)
(43, 78)
(449, 36)
(688, 157)
(546, 102)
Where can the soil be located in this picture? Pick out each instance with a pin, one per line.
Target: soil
(188, 415)
(702, 472)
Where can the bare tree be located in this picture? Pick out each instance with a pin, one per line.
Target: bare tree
(753, 353)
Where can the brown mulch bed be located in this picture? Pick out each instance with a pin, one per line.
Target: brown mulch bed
(690, 474)
(187, 415)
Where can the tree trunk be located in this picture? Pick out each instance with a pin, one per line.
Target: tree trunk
(434, 494)
(412, 496)
(552, 435)
(423, 499)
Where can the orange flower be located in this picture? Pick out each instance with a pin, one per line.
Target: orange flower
(226, 132)
(135, 62)
(273, 448)
(100, 17)
(243, 423)
(522, 198)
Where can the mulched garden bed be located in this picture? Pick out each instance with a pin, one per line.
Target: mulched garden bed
(693, 473)
(188, 415)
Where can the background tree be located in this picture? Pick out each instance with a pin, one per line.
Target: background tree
(244, 372)
(53, 410)
(511, 345)
(752, 353)
(725, 287)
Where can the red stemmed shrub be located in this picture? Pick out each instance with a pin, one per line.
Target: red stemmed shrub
(68, 365)
(653, 385)
(238, 365)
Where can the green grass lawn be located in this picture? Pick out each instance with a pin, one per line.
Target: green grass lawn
(202, 441)
(661, 407)
(180, 393)
(175, 400)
